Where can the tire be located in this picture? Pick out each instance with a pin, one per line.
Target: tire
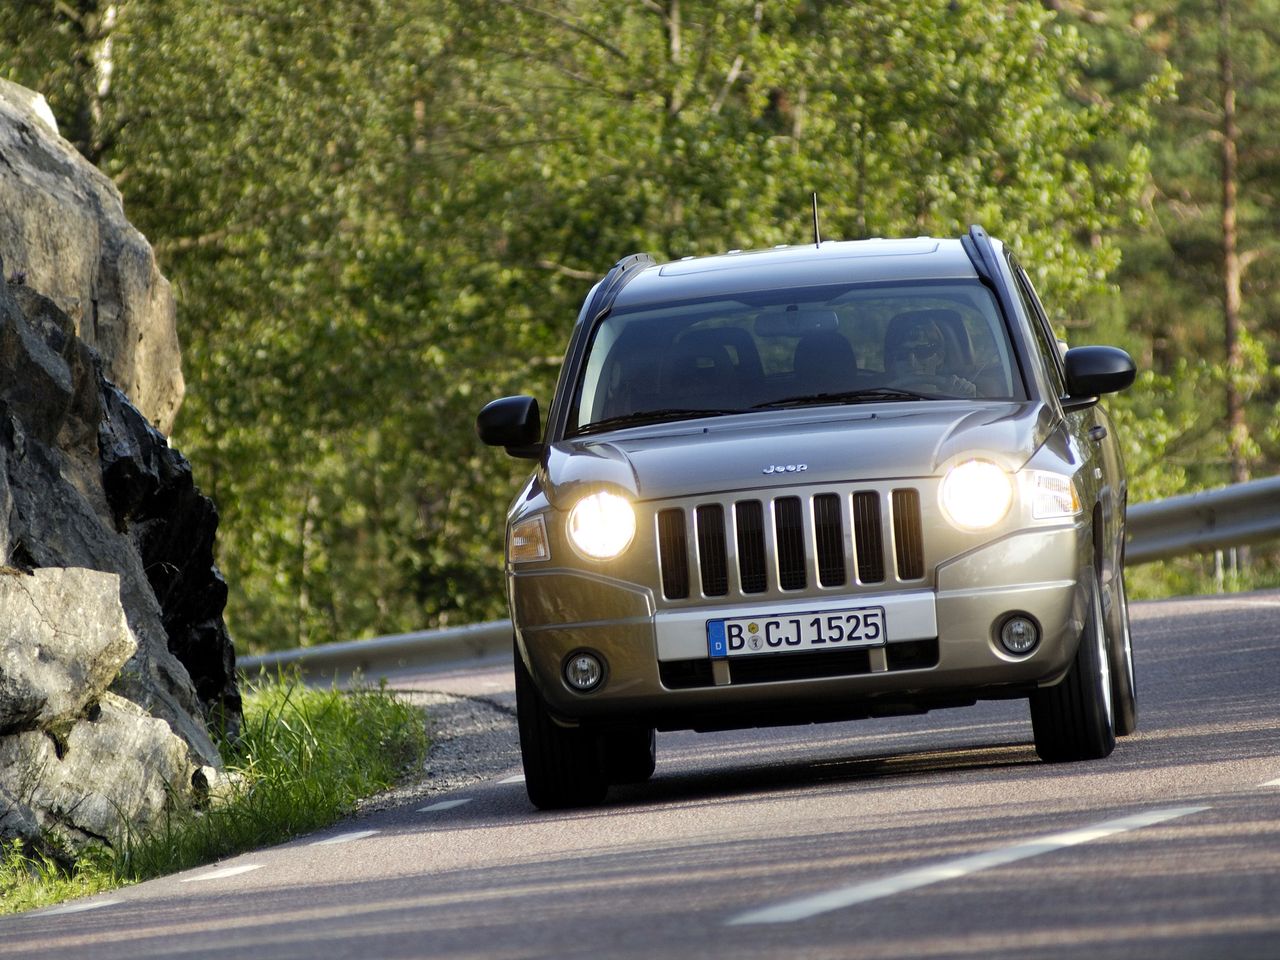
(1124, 691)
(630, 754)
(1074, 720)
(563, 766)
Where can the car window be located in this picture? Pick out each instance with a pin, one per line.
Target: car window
(1046, 341)
(865, 343)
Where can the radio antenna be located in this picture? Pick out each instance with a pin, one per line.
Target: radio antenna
(817, 236)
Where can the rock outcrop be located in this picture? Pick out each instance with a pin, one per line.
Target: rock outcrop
(114, 659)
(65, 234)
(110, 602)
(76, 761)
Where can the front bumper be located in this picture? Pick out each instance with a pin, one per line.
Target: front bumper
(941, 648)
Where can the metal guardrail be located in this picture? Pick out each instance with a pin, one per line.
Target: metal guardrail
(1212, 519)
(384, 656)
(1232, 516)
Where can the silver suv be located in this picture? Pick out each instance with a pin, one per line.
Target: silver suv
(814, 483)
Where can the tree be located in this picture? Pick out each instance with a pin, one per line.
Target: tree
(380, 213)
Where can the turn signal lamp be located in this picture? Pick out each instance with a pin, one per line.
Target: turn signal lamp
(1054, 496)
(528, 541)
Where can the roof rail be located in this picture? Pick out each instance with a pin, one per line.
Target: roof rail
(618, 277)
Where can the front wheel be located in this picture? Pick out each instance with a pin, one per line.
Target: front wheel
(1124, 691)
(1074, 720)
(563, 766)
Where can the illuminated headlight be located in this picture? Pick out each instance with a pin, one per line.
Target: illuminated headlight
(976, 494)
(602, 525)
(1053, 496)
(528, 541)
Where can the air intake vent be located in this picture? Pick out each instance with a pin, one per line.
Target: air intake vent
(711, 556)
(788, 525)
(673, 554)
(908, 535)
(868, 540)
(751, 562)
(828, 531)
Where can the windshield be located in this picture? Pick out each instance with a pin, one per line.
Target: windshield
(810, 346)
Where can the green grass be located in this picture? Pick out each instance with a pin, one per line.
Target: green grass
(303, 760)
(1194, 576)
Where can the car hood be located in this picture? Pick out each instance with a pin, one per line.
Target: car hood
(809, 446)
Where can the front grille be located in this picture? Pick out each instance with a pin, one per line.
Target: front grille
(821, 537)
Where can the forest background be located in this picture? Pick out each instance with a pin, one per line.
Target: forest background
(378, 214)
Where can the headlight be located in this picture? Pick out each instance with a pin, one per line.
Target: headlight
(528, 541)
(976, 494)
(1054, 496)
(602, 525)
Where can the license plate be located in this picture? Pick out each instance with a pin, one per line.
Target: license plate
(794, 632)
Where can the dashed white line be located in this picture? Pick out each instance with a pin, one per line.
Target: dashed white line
(807, 907)
(1272, 783)
(518, 778)
(344, 837)
(76, 908)
(444, 805)
(224, 873)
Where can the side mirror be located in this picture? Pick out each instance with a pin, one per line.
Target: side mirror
(1095, 370)
(514, 423)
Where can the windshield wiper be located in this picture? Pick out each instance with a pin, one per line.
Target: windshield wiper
(865, 395)
(641, 417)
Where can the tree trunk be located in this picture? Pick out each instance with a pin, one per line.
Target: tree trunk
(1238, 431)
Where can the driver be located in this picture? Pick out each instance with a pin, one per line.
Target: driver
(915, 355)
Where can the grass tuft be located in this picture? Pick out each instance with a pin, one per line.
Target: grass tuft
(303, 760)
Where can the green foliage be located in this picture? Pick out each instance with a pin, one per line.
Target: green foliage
(303, 760)
(1172, 273)
(378, 214)
(1195, 576)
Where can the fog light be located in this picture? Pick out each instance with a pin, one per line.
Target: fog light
(1019, 634)
(583, 672)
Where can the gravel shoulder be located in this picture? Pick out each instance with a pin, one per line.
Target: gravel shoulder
(472, 739)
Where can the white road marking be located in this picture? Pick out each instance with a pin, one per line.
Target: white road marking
(953, 869)
(444, 805)
(518, 778)
(345, 837)
(1272, 783)
(224, 873)
(76, 908)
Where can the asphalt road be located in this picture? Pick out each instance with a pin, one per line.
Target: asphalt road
(936, 837)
